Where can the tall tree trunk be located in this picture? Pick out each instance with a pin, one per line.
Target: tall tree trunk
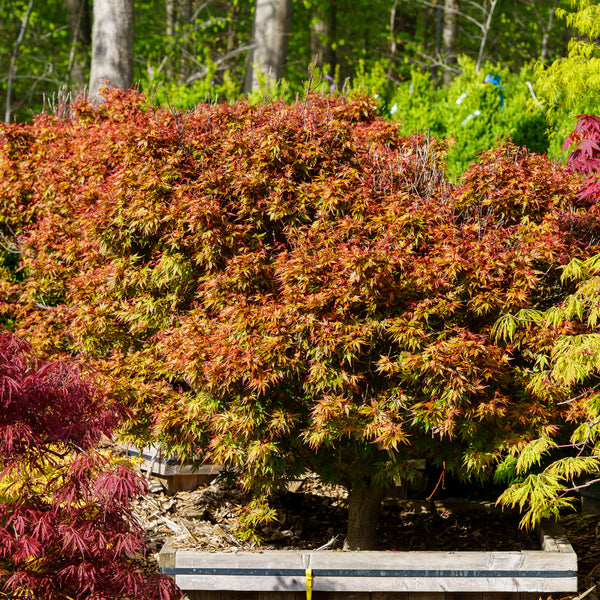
(186, 19)
(272, 19)
(364, 506)
(112, 45)
(12, 69)
(393, 44)
(170, 31)
(548, 32)
(322, 33)
(449, 36)
(78, 18)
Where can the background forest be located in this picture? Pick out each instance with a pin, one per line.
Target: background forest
(449, 66)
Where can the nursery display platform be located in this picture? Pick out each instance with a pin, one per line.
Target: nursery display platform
(387, 575)
(174, 475)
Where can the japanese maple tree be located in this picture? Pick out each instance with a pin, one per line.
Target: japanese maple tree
(562, 348)
(66, 531)
(282, 288)
(584, 157)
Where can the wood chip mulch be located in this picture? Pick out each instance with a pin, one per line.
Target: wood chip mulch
(314, 516)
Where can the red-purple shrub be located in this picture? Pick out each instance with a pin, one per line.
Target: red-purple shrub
(584, 158)
(65, 527)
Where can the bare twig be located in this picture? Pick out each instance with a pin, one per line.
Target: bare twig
(204, 69)
(485, 30)
(578, 395)
(456, 11)
(327, 544)
(9, 245)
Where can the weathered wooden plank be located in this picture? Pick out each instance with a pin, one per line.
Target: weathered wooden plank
(166, 467)
(448, 584)
(166, 557)
(445, 561)
(340, 596)
(468, 573)
(384, 584)
(374, 584)
(240, 583)
(553, 539)
(241, 560)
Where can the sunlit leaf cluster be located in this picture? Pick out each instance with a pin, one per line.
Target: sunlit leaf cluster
(563, 346)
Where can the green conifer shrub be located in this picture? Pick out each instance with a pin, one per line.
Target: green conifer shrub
(476, 110)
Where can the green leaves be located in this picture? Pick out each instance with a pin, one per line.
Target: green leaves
(538, 497)
(545, 494)
(533, 453)
(505, 327)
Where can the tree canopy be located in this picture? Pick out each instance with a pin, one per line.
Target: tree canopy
(283, 287)
(188, 51)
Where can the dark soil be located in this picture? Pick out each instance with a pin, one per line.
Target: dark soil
(316, 515)
(315, 519)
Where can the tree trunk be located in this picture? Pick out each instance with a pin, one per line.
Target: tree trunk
(364, 506)
(13, 61)
(449, 36)
(112, 45)
(393, 44)
(78, 18)
(322, 33)
(186, 18)
(548, 32)
(171, 26)
(272, 19)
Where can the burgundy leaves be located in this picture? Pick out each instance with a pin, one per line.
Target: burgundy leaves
(65, 525)
(585, 157)
(44, 403)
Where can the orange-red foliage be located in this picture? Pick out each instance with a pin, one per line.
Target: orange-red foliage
(283, 288)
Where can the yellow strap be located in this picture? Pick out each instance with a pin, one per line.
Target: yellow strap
(309, 581)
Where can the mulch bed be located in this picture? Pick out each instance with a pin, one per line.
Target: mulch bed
(314, 517)
(583, 531)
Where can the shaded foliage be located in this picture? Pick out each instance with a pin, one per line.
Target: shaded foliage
(476, 110)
